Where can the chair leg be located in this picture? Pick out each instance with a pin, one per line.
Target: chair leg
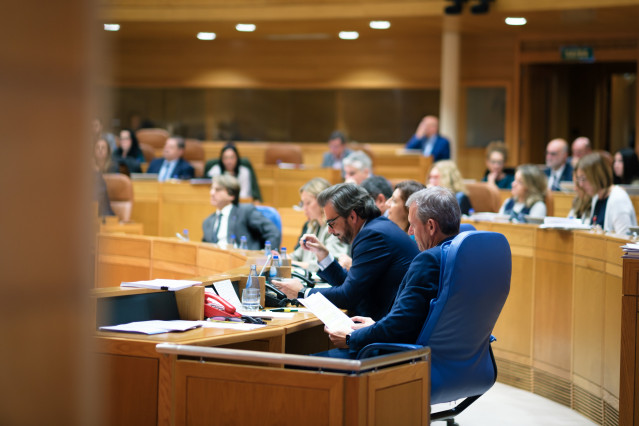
(451, 422)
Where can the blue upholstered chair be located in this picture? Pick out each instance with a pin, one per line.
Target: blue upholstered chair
(474, 285)
(272, 214)
(463, 227)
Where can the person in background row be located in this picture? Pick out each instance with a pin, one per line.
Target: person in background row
(357, 167)
(496, 157)
(381, 254)
(580, 147)
(558, 168)
(626, 167)
(128, 154)
(397, 208)
(102, 157)
(428, 140)
(99, 133)
(611, 207)
(529, 191)
(230, 163)
(381, 191)
(337, 151)
(172, 165)
(233, 218)
(446, 174)
(580, 208)
(316, 225)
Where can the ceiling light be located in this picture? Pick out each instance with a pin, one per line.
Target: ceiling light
(245, 28)
(206, 36)
(515, 21)
(348, 35)
(379, 25)
(111, 27)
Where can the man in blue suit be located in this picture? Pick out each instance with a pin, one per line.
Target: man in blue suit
(381, 254)
(434, 217)
(172, 165)
(428, 140)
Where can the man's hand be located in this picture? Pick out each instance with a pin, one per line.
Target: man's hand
(311, 243)
(345, 261)
(338, 337)
(290, 287)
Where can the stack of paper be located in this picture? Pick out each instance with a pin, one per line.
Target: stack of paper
(162, 284)
(551, 222)
(631, 250)
(153, 327)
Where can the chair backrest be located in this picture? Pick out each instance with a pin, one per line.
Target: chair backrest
(194, 154)
(272, 214)
(464, 227)
(276, 153)
(153, 137)
(484, 196)
(474, 285)
(148, 151)
(120, 192)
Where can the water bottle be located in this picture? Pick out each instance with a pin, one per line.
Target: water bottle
(232, 242)
(267, 247)
(273, 271)
(243, 243)
(251, 293)
(283, 257)
(185, 233)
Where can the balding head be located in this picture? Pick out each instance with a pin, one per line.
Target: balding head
(580, 147)
(556, 153)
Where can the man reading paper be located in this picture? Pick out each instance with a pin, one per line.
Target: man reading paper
(434, 217)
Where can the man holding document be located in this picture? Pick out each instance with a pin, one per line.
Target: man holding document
(381, 254)
(434, 217)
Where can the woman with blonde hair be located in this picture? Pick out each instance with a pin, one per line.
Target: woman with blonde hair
(610, 207)
(529, 193)
(445, 173)
(316, 224)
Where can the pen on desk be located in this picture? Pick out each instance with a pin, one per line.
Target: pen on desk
(283, 310)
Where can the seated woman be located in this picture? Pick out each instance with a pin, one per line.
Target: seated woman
(626, 167)
(445, 173)
(129, 154)
(496, 157)
(102, 157)
(397, 210)
(611, 207)
(529, 191)
(231, 164)
(580, 208)
(316, 224)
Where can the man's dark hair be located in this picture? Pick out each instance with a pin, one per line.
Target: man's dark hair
(337, 135)
(346, 197)
(376, 185)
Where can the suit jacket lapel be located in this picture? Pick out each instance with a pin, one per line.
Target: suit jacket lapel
(232, 222)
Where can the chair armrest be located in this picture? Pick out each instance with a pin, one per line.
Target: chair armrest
(376, 349)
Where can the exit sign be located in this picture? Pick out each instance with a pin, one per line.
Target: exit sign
(577, 53)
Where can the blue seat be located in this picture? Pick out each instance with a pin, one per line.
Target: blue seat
(272, 214)
(474, 285)
(463, 227)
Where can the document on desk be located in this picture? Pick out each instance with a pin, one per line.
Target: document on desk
(153, 327)
(328, 313)
(161, 284)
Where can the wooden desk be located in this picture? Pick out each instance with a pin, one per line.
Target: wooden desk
(629, 383)
(559, 334)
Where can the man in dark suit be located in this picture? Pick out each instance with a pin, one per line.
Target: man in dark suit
(236, 219)
(172, 165)
(428, 140)
(381, 254)
(434, 217)
(558, 168)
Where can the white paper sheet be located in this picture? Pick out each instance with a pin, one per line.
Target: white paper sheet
(154, 326)
(227, 292)
(161, 284)
(328, 313)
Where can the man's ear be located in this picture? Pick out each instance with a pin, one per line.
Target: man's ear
(432, 226)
